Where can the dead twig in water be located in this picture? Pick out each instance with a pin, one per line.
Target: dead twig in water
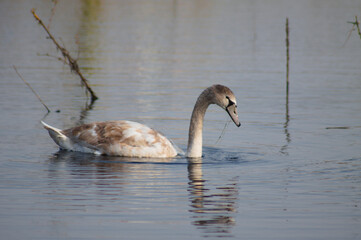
(73, 64)
(55, 57)
(16, 70)
(344, 127)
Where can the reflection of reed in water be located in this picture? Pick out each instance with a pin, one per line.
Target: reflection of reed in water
(212, 209)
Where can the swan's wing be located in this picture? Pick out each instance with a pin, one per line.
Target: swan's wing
(122, 138)
(97, 136)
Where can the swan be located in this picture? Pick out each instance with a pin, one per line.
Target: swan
(132, 139)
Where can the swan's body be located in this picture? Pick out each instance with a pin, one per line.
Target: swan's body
(131, 139)
(116, 138)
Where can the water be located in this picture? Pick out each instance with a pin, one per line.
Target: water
(292, 170)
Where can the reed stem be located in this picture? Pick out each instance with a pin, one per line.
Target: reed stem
(288, 56)
(16, 70)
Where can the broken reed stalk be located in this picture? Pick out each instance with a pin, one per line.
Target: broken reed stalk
(288, 55)
(16, 70)
(357, 24)
(74, 67)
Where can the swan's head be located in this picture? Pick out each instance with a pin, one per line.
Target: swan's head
(224, 97)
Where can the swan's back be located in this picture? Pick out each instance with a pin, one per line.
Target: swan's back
(116, 138)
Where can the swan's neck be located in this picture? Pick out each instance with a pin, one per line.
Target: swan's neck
(196, 126)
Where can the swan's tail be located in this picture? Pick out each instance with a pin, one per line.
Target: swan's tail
(59, 138)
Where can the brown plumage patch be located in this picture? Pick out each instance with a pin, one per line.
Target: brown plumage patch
(121, 138)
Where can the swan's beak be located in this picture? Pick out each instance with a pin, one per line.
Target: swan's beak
(232, 111)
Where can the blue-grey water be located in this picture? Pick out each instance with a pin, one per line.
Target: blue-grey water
(291, 171)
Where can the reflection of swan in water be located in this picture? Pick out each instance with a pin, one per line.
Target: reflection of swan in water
(120, 170)
(131, 139)
(87, 166)
(106, 185)
(107, 164)
(101, 180)
(212, 211)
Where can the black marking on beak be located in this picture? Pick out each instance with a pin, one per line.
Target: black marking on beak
(232, 112)
(230, 102)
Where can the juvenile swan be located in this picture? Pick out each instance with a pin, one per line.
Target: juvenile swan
(131, 139)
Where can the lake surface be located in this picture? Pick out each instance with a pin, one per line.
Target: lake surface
(291, 171)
